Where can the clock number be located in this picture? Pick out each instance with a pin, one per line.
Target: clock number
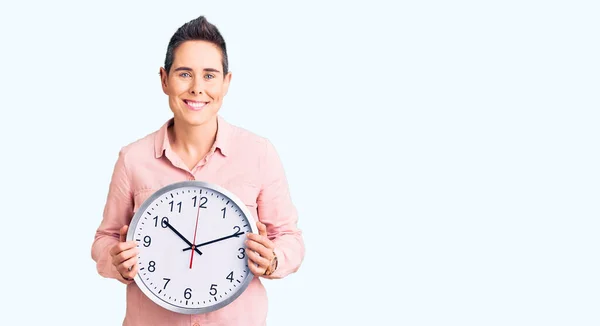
(147, 241)
(213, 289)
(203, 201)
(167, 282)
(162, 222)
(151, 266)
(178, 205)
(223, 210)
(230, 276)
(242, 252)
(237, 229)
(187, 293)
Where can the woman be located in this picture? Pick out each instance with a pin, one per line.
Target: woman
(198, 144)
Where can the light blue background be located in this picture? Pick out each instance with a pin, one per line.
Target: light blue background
(443, 155)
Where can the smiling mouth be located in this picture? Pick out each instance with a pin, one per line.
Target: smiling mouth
(195, 105)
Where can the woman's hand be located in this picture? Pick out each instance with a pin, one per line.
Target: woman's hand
(261, 252)
(124, 256)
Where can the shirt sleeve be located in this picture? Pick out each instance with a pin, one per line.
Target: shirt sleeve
(118, 211)
(279, 214)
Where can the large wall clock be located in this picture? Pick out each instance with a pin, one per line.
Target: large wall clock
(191, 237)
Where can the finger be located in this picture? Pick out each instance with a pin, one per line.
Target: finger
(256, 258)
(128, 265)
(262, 240)
(122, 246)
(125, 255)
(125, 271)
(260, 248)
(256, 270)
(262, 229)
(123, 233)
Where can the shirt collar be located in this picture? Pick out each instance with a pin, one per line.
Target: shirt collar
(161, 141)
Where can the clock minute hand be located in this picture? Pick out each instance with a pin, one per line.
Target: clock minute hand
(182, 237)
(237, 235)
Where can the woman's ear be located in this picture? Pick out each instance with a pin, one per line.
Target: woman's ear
(226, 82)
(163, 79)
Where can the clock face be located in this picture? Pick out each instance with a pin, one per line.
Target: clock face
(191, 237)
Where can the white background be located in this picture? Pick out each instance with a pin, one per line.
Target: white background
(443, 155)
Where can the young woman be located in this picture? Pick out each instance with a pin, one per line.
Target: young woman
(198, 144)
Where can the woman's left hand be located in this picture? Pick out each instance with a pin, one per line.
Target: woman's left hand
(260, 251)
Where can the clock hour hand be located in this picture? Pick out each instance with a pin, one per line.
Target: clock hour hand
(182, 237)
(236, 235)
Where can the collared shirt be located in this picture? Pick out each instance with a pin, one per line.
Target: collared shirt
(240, 161)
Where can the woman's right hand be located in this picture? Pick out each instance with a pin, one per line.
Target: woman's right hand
(124, 256)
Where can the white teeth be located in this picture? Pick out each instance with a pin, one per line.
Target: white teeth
(196, 104)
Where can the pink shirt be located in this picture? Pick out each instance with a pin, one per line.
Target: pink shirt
(240, 161)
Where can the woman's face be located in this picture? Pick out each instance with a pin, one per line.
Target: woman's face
(195, 84)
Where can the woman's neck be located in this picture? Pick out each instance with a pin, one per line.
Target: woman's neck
(192, 143)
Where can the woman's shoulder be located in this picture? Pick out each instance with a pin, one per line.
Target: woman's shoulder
(245, 136)
(242, 136)
(144, 147)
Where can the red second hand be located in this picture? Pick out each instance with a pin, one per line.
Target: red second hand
(194, 242)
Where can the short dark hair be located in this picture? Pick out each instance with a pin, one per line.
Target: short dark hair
(198, 29)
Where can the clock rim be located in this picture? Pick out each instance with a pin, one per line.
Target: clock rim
(139, 213)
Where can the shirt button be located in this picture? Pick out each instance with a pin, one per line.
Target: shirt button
(196, 324)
